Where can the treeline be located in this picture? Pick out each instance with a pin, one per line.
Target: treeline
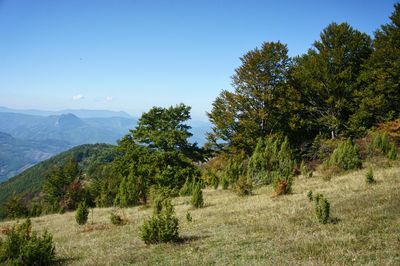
(284, 115)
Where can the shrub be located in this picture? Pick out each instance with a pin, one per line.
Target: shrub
(187, 188)
(116, 219)
(322, 208)
(214, 180)
(197, 197)
(310, 195)
(346, 156)
(22, 247)
(189, 217)
(244, 186)
(369, 176)
(81, 214)
(392, 153)
(272, 162)
(224, 183)
(161, 227)
(382, 144)
(234, 169)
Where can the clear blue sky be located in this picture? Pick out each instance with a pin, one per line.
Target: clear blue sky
(132, 55)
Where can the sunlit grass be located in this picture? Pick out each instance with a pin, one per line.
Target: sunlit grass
(254, 230)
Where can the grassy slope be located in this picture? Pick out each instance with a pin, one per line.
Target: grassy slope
(254, 230)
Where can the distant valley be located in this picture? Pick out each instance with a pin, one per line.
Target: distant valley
(31, 136)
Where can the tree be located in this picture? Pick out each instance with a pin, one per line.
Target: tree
(379, 97)
(326, 78)
(157, 152)
(260, 103)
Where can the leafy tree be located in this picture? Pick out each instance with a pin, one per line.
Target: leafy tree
(326, 78)
(260, 103)
(379, 97)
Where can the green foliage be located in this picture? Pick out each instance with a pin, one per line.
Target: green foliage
(189, 217)
(161, 227)
(369, 176)
(260, 103)
(322, 208)
(187, 188)
(127, 194)
(234, 170)
(82, 213)
(346, 156)
(22, 247)
(224, 182)
(382, 144)
(272, 162)
(244, 186)
(327, 78)
(310, 195)
(379, 99)
(197, 197)
(14, 207)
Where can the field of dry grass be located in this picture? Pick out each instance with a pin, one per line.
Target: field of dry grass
(254, 230)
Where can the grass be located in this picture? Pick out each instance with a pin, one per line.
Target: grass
(254, 230)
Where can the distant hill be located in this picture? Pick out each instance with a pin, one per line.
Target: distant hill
(17, 155)
(31, 180)
(66, 127)
(81, 113)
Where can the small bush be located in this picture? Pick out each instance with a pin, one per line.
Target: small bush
(189, 217)
(197, 197)
(310, 195)
(322, 208)
(369, 176)
(82, 213)
(392, 153)
(224, 183)
(22, 247)
(346, 156)
(244, 186)
(187, 188)
(161, 227)
(116, 219)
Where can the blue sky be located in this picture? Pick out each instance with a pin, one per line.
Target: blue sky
(132, 55)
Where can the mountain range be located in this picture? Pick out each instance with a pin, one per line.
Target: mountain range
(30, 136)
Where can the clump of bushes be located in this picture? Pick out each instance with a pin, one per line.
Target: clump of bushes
(162, 226)
(197, 200)
(244, 186)
(224, 183)
(369, 176)
(322, 208)
(346, 156)
(382, 144)
(187, 187)
(82, 213)
(22, 247)
(272, 162)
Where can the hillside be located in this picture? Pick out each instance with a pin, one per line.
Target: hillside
(255, 230)
(31, 180)
(16, 155)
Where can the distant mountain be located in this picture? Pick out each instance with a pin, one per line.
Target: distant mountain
(66, 127)
(81, 113)
(31, 180)
(16, 155)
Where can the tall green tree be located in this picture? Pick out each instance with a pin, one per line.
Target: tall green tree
(326, 78)
(379, 97)
(260, 103)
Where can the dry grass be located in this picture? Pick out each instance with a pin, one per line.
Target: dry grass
(254, 230)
